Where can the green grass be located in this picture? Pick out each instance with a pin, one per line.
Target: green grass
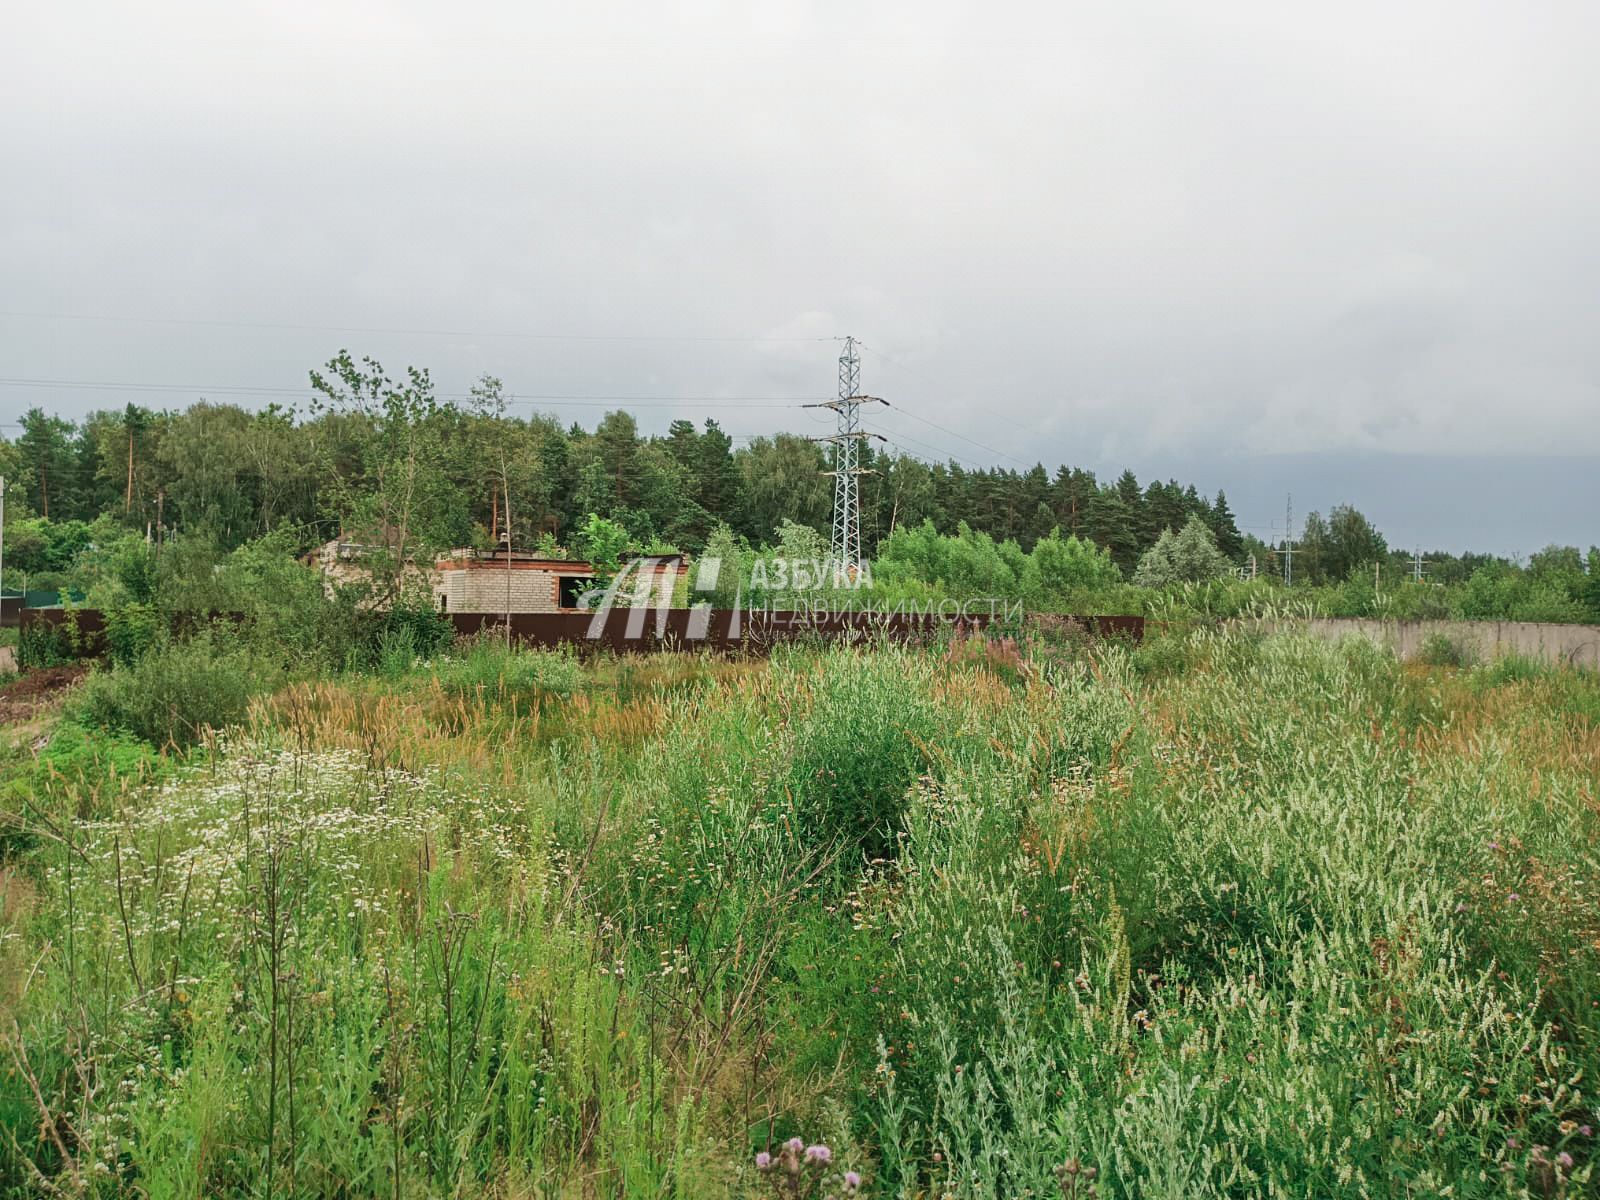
(1226, 916)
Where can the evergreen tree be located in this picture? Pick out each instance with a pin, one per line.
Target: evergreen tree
(48, 464)
(1223, 525)
(1110, 524)
(1139, 531)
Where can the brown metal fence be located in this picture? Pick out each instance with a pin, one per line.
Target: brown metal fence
(644, 629)
(84, 628)
(641, 630)
(635, 630)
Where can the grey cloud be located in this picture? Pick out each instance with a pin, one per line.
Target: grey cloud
(1157, 235)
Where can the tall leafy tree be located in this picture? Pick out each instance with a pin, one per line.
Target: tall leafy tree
(208, 486)
(1314, 551)
(1353, 542)
(399, 499)
(783, 477)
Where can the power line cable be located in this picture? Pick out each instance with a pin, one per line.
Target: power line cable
(894, 362)
(943, 455)
(559, 398)
(961, 436)
(477, 333)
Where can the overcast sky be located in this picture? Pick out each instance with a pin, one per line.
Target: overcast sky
(1353, 250)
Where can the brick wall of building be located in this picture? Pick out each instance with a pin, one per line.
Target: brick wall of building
(484, 590)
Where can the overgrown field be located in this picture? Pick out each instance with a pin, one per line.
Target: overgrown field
(1221, 916)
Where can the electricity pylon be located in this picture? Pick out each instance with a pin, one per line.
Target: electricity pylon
(1417, 563)
(844, 548)
(1288, 541)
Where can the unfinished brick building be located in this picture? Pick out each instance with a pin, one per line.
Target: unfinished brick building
(470, 582)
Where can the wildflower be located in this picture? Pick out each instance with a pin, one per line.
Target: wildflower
(1512, 1143)
(1585, 1130)
(819, 1154)
(795, 1144)
(851, 1181)
(763, 1161)
(1564, 1161)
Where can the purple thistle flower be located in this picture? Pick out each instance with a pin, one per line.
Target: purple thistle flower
(1564, 1160)
(795, 1144)
(763, 1161)
(852, 1180)
(1585, 1130)
(818, 1154)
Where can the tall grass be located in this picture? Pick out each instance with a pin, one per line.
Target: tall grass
(1235, 916)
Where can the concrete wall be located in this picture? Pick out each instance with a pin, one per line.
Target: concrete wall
(1575, 645)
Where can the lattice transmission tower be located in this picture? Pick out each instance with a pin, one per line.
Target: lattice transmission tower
(1288, 540)
(844, 547)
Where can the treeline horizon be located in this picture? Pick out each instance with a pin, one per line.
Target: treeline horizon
(373, 453)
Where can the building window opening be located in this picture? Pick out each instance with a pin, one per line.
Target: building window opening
(572, 588)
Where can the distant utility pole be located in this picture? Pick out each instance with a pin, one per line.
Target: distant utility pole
(1288, 541)
(845, 545)
(505, 485)
(1417, 563)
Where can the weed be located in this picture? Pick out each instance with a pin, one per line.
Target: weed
(1244, 916)
(1442, 650)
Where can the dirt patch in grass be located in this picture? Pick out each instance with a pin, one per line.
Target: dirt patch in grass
(26, 696)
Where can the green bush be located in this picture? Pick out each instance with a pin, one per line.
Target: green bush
(1441, 650)
(131, 630)
(40, 645)
(176, 691)
(430, 632)
(1162, 656)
